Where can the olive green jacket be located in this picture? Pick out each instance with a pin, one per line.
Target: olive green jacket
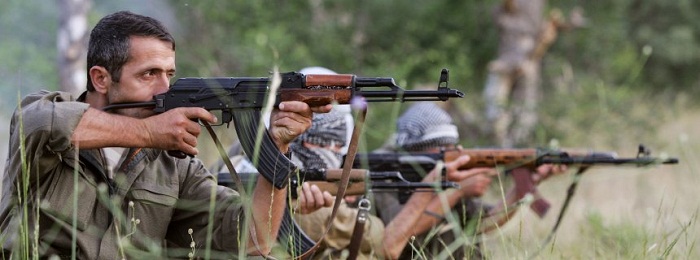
(147, 210)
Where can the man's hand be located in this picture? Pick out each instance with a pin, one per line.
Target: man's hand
(291, 119)
(176, 129)
(547, 170)
(311, 198)
(456, 175)
(172, 130)
(478, 184)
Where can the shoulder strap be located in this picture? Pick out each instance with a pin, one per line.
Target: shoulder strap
(358, 231)
(345, 177)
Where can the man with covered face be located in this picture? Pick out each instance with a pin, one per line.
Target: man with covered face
(323, 146)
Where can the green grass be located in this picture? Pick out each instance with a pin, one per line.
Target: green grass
(616, 213)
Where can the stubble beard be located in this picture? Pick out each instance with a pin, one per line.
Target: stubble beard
(114, 96)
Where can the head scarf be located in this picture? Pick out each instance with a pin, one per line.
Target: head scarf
(425, 125)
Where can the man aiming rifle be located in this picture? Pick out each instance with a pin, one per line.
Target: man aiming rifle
(425, 127)
(77, 172)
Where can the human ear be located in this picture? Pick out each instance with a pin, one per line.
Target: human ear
(101, 79)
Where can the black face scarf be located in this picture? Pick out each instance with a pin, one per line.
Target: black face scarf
(315, 158)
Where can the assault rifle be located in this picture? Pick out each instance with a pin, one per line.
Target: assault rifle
(519, 162)
(361, 181)
(413, 163)
(241, 99)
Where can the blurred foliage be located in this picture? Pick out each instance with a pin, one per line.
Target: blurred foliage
(27, 49)
(632, 53)
(673, 31)
(369, 38)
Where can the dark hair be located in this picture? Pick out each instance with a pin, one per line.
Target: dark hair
(109, 41)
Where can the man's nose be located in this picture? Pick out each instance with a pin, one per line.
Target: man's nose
(162, 84)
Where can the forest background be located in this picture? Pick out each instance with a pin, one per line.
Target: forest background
(629, 75)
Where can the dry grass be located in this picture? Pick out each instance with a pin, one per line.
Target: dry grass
(619, 213)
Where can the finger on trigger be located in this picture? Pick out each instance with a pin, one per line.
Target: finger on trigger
(205, 115)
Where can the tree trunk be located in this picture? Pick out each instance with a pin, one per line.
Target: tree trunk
(72, 44)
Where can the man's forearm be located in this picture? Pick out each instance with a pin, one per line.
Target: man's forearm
(402, 227)
(500, 213)
(97, 129)
(268, 209)
(435, 209)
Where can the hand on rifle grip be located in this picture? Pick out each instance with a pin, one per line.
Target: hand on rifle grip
(182, 126)
(547, 170)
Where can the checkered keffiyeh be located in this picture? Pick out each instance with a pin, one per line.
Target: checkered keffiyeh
(425, 125)
(326, 129)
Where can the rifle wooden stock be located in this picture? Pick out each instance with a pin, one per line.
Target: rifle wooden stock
(345, 80)
(532, 158)
(495, 157)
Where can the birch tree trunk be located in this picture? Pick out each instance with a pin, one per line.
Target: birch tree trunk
(72, 44)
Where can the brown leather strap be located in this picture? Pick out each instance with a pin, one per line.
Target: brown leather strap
(236, 179)
(345, 177)
(569, 195)
(359, 230)
(342, 185)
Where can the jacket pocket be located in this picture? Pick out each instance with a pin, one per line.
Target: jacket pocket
(153, 209)
(153, 196)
